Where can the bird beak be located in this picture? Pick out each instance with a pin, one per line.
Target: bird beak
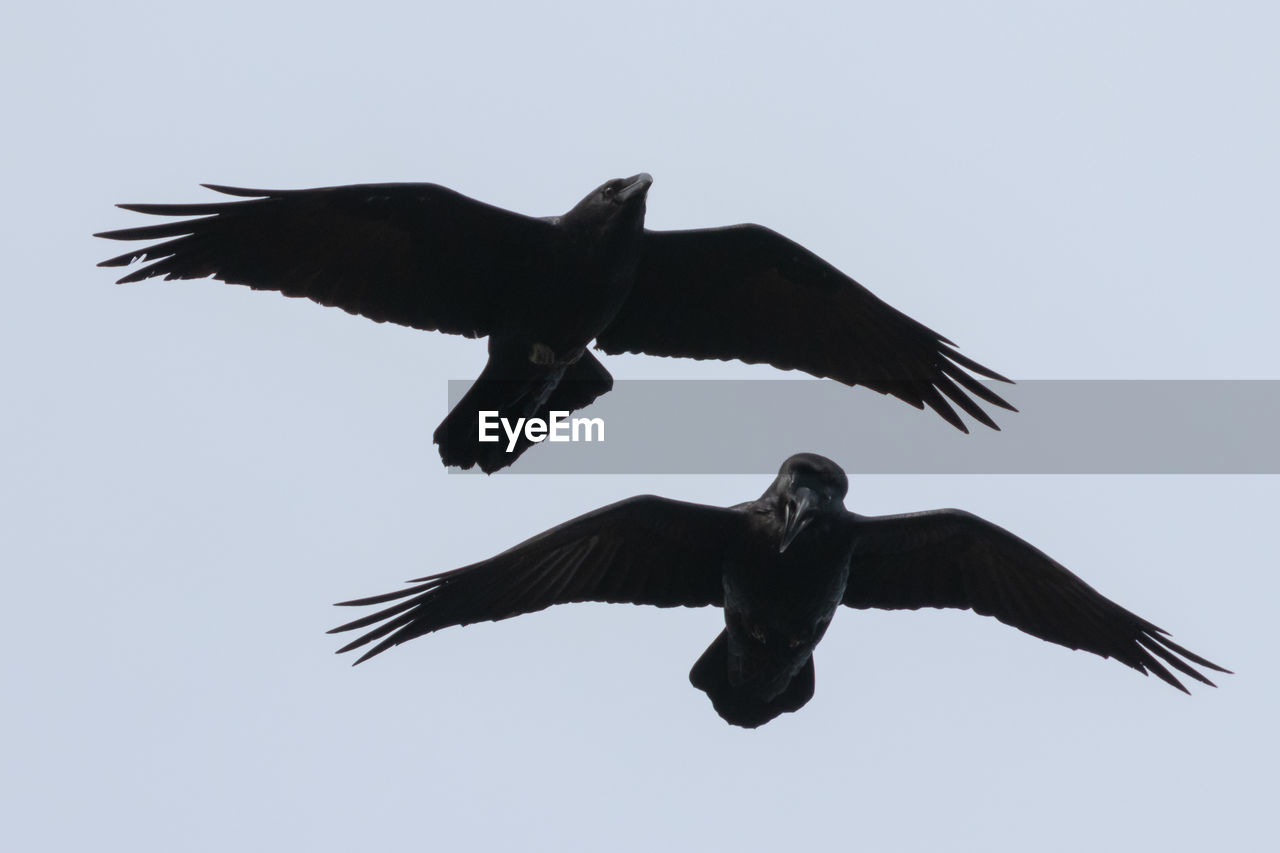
(798, 514)
(636, 185)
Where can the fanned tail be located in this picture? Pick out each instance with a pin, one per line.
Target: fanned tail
(739, 704)
(512, 385)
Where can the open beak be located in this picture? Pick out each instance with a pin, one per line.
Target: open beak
(798, 514)
(636, 185)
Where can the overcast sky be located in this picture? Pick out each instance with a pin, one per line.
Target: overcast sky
(192, 473)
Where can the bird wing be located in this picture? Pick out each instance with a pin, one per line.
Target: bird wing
(748, 293)
(951, 558)
(643, 550)
(418, 255)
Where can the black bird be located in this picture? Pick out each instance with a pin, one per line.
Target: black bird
(541, 289)
(779, 566)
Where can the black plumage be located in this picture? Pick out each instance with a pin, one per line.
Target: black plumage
(780, 566)
(542, 289)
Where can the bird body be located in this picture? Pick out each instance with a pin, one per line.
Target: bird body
(584, 275)
(780, 593)
(542, 289)
(776, 609)
(780, 567)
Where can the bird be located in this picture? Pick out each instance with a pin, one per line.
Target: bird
(541, 289)
(780, 567)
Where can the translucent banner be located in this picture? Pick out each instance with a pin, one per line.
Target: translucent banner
(1062, 427)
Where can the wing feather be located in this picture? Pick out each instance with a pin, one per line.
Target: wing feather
(643, 550)
(747, 293)
(953, 559)
(419, 255)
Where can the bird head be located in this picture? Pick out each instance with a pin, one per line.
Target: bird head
(614, 201)
(808, 486)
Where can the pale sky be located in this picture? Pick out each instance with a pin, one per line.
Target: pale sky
(192, 473)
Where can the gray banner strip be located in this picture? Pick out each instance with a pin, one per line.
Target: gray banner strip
(1062, 427)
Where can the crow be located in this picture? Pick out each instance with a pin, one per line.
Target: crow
(780, 566)
(542, 289)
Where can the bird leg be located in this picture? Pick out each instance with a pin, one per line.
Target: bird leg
(541, 354)
(544, 356)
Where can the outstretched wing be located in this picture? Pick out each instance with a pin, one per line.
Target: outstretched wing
(419, 255)
(643, 550)
(951, 558)
(748, 293)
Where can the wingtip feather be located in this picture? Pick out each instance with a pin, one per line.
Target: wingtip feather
(241, 192)
(955, 355)
(133, 277)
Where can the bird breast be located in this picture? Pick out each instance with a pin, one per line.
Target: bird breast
(788, 597)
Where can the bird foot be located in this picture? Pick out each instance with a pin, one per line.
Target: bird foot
(541, 354)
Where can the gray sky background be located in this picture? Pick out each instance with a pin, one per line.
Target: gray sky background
(192, 473)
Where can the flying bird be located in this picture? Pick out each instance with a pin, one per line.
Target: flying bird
(780, 566)
(542, 289)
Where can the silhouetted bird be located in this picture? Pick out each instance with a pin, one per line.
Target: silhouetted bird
(779, 566)
(542, 289)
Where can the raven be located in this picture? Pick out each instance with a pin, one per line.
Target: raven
(541, 289)
(779, 566)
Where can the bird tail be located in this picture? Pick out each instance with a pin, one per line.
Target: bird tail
(739, 704)
(515, 388)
